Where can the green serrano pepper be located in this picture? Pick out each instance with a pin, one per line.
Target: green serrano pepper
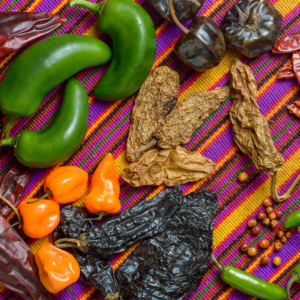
(249, 284)
(58, 142)
(44, 66)
(294, 278)
(134, 46)
(293, 220)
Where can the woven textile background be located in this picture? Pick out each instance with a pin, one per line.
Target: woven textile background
(108, 130)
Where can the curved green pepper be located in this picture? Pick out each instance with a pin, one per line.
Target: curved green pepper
(249, 284)
(293, 220)
(58, 142)
(134, 46)
(44, 66)
(294, 278)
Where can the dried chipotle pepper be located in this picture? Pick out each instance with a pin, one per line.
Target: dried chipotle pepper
(168, 166)
(288, 44)
(295, 109)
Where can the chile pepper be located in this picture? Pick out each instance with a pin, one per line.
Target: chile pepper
(249, 284)
(134, 42)
(294, 278)
(44, 66)
(18, 270)
(18, 29)
(286, 72)
(105, 189)
(58, 269)
(60, 140)
(293, 220)
(296, 65)
(288, 44)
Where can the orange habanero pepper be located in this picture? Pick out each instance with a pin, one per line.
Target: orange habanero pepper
(58, 269)
(39, 218)
(105, 189)
(66, 184)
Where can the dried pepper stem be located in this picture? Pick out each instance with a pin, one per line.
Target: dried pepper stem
(13, 208)
(73, 243)
(175, 19)
(112, 296)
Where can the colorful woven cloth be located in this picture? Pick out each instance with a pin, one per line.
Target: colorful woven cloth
(108, 130)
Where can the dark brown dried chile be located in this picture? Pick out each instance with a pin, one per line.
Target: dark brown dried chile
(18, 271)
(172, 264)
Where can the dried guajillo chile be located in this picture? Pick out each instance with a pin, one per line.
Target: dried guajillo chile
(250, 284)
(19, 29)
(18, 271)
(134, 46)
(295, 108)
(202, 46)
(121, 231)
(296, 65)
(168, 166)
(288, 44)
(252, 27)
(172, 264)
(60, 140)
(44, 66)
(155, 100)
(294, 278)
(286, 72)
(250, 127)
(178, 127)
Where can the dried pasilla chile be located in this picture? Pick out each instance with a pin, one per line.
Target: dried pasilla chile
(250, 127)
(252, 27)
(13, 184)
(295, 109)
(18, 271)
(286, 72)
(156, 98)
(172, 264)
(202, 46)
(184, 9)
(168, 166)
(18, 29)
(296, 65)
(288, 44)
(121, 231)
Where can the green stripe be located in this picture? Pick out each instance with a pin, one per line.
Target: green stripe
(15, 1)
(6, 167)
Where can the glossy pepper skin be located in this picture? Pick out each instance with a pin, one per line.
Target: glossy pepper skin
(60, 140)
(66, 184)
(39, 218)
(293, 220)
(105, 189)
(58, 269)
(134, 46)
(249, 284)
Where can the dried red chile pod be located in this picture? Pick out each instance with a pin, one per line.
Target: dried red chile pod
(18, 271)
(288, 44)
(296, 65)
(252, 27)
(184, 9)
(286, 72)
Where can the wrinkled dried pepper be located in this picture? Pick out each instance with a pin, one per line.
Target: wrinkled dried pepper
(288, 44)
(296, 65)
(286, 72)
(295, 109)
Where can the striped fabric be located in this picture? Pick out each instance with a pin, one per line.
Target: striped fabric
(108, 130)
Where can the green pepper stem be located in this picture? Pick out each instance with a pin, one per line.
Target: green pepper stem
(8, 127)
(10, 142)
(100, 214)
(48, 194)
(93, 7)
(295, 278)
(69, 288)
(219, 266)
(175, 19)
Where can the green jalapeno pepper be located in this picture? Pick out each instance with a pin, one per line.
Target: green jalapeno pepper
(294, 278)
(42, 67)
(134, 46)
(293, 220)
(55, 144)
(249, 284)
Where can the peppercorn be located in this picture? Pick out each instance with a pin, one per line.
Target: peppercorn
(284, 240)
(261, 216)
(267, 202)
(278, 246)
(264, 260)
(288, 234)
(244, 247)
(274, 224)
(252, 223)
(280, 234)
(277, 261)
(279, 214)
(269, 210)
(272, 216)
(243, 177)
(264, 244)
(252, 251)
(266, 221)
(255, 230)
(282, 227)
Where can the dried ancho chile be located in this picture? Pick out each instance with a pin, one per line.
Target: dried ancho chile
(252, 27)
(184, 9)
(172, 264)
(168, 166)
(295, 109)
(288, 44)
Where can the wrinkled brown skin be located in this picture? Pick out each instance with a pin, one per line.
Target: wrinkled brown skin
(169, 166)
(18, 271)
(295, 109)
(178, 127)
(203, 47)
(250, 127)
(256, 36)
(184, 9)
(156, 98)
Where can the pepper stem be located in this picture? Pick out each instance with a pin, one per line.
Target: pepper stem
(48, 194)
(295, 278)
(79, 243)
(69, 288)
(111, 296)
(287, 194)
(100, 214)
(175, 19)
(13, 208)
(251, 19)
(219, 266)
(151, 144)
(8, 142)
(8, 127)
(93, 7)
(11, 226)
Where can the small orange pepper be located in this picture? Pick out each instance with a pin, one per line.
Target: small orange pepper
(39, 218)
(105, 189)
(66, 184)
(58, 269)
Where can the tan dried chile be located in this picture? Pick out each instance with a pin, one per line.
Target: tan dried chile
(169, 166)
(250, 128)
(156, 98)
(179, 126)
